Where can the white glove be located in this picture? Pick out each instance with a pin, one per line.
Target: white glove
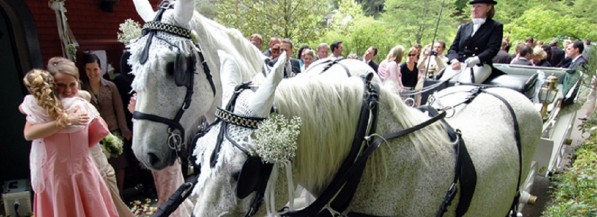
(472, 61)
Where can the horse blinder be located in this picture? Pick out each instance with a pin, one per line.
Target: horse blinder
(250, 177)
(181, 69)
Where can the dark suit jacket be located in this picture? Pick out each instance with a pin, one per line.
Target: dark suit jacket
(373, 65)
(502, 57)
(522, 61)
(565, 63)
(557, 56)
(295, 66)
(578, 63)
(485, 44)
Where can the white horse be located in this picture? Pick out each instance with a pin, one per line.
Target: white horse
(160, 94)
(407, 176)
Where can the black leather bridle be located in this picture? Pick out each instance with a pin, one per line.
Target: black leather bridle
(184, 76)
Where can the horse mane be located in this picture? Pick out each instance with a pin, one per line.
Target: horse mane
(249, 58)
(211, 37)
(329, 110)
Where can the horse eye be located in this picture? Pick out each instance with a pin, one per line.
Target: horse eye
(170, 68)
(236, 175)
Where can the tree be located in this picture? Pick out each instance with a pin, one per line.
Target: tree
(356, 30)
(416, 23)
(533, 23)
(300, 20)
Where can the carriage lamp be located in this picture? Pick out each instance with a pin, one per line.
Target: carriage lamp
(548, 94)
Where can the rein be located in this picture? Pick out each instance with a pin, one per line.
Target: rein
(184, 71)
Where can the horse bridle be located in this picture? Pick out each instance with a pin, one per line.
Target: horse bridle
(254, 173)
(184, 68)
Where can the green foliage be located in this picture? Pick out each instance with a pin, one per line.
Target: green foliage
(575, 191)
(533, 24)
(411, 24)
(357, 31)
(300, 21)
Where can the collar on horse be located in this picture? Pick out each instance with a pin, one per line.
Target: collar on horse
(183, 72)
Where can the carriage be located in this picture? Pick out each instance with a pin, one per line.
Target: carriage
(171, 62)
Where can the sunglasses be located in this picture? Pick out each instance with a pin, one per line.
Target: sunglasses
(412, 55)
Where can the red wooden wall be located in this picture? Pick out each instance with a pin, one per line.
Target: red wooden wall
(93, 28)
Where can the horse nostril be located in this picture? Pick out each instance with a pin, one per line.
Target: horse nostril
(153, 159)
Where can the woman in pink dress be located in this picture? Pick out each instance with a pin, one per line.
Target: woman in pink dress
(389, 70)
(63, 175)
(65, 69)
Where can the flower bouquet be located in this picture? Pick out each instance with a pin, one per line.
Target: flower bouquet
(112, 145)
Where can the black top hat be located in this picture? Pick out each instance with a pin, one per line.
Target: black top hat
(483, 1)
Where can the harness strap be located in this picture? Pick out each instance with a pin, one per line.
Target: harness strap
(176, 198)
(229, 107)
(334, 62)
(145, 55)
(464, 171)
(514, 207)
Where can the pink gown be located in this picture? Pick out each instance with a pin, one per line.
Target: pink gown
(64, 177)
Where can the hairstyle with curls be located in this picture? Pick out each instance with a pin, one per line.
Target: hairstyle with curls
(40, 84)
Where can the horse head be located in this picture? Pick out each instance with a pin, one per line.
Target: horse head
(174, 85)
(176, 37)
(230, 168)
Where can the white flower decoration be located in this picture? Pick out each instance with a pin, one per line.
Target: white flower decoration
(128, 31)
(276, 138)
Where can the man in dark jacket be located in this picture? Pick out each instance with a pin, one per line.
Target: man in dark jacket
(557, 54)
(476, 44)
(368, 57)
(503, 56)
(574, 51)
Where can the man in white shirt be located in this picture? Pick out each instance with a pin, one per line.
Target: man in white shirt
(337, 49)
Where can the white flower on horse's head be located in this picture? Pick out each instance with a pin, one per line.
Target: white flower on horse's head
(129, 30)
(276, 138)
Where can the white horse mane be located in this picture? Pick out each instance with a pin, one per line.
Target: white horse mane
(209, 34)
(306, 97)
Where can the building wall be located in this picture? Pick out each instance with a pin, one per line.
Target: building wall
(93, 28)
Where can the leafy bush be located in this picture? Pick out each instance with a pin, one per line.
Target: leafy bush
(575, 190)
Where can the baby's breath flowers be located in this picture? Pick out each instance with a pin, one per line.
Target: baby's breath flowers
(276, 138)
(128, 31)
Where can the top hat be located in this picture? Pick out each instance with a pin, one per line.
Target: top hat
(483, 1)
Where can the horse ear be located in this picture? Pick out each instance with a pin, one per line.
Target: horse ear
(183, 11)
(263, 99)
(144, 10)
(229, 74)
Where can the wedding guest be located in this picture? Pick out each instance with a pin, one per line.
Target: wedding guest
(65, 71)
(63, 176)
(106, 98)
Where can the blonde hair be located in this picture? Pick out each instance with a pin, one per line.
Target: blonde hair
(395, 54)
(538, 51)
(62, 65)
(40, 84)
(309, 52)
